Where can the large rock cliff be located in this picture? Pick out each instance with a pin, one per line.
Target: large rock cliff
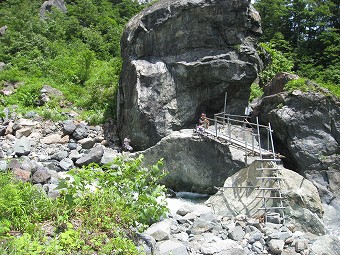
(179, 59)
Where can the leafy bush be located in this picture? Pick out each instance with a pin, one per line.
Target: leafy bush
(22, 205)
(255, 91)
(94, 214)
(295, 84)
(279, 63)
(78, 48)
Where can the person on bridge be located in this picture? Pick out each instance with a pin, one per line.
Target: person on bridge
(203, 123)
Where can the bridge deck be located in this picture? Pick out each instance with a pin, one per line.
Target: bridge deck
(242, 144)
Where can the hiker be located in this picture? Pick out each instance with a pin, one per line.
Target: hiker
(126, 145)
(203, 121)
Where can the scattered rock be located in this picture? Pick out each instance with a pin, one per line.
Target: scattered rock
(172, 247)
(22, 147)
(94, 156)
(22, 174)
(276, 246)
(160, 230)
(66, 164)
(41, 176)
(69, 127)
(80, 132)
(55, 138)
(3, 30)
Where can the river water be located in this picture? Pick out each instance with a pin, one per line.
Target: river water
(332, 218)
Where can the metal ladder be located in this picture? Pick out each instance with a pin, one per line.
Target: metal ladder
(270, 188)
(270, 184)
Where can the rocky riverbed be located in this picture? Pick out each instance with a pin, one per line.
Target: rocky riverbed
(193, 228)
(42, 152)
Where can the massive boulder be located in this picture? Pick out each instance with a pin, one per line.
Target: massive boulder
(194, 163)
(306, 131)
(300, 197)
(306, 125)
(179, 59)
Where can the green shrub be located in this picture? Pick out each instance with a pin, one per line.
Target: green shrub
(279, 63)
(295, 84)
(22, 204)
(255, 91)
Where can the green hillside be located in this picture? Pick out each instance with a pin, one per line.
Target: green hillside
(77, 52)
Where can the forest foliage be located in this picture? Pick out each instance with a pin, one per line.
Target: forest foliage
(306, 33)
(77, 52)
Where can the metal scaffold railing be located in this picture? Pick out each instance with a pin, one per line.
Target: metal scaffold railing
(255, 140)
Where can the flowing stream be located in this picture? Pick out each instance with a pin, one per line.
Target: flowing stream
(332, 218)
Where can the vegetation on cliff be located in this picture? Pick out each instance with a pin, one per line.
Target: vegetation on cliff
(100, 210)
(77, 52)
(306, 33)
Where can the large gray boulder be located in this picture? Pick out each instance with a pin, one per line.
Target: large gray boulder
(194, 163)
(179, 59)
(300, 197)
(306, 128)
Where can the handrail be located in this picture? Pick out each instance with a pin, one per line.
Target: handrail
(242, 133)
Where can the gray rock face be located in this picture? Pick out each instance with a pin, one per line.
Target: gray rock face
(307, 128)
(301, 198)
(47, 6)
(200, 164)
(179, 59)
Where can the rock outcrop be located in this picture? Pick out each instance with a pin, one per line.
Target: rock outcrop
(47, 7)
(198, 166)
(179, 59)
(307, 132)
(306, 126)
(196, 229)
(300, 197)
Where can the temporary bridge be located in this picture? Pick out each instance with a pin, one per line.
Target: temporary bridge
(257, 141)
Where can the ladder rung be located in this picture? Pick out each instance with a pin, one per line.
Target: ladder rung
(270, 197)
(266, 168)
(268, 208)
(268, 159)
(269, 177)
(268, 188)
